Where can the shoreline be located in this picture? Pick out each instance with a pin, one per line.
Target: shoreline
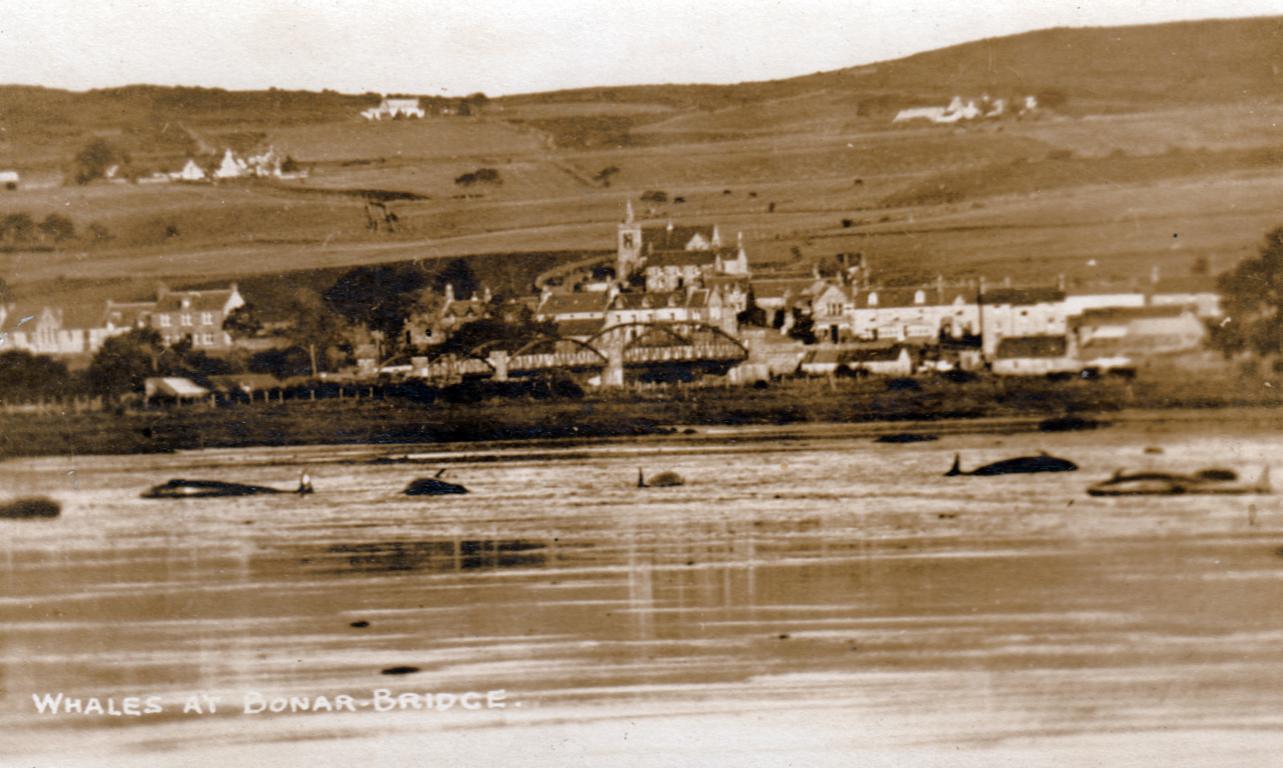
(866, 407)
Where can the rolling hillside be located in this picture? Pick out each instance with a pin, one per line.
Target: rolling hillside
(1145, 133)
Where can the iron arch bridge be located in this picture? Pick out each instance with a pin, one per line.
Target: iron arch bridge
(634, 344)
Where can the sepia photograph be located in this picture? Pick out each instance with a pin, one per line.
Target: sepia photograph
(562, 383)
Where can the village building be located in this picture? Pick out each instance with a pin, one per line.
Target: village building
(825, 361)
(1020, 312)
(191, 172)
(1080, 300)
(779, 296)
(10, 179)
(1138, 331)
(1196, 291)
(42, 330)
(1035, 356)
(390, 109)
(921, 313)
(196, 314)
(231, 166)
(559, 307)
(432, 327)
(634, 243)
(832, 310)
(890, 360)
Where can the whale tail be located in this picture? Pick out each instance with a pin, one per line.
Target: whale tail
(956, 469)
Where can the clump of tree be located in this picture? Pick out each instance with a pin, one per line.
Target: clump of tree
(1252, 302)
(17, 229)
(654, 196)
(20, 229)
(381, 298)
(124, 363)
(752, 313)
(94, 159)
(57, 228)
(24, 376)
(479, 176)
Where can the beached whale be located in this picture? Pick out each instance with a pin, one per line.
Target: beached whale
(1213, 481)
(180, 488)
(1021, 465)
(433, 486)
(30, 507)
(906, 437)
(662, 480)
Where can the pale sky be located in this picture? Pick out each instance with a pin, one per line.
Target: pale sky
(513, 46)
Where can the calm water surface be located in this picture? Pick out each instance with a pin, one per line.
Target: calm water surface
(813, 594)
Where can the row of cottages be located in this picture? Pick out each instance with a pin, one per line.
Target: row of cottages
(390, 109)
(80, 331)
(842, 313)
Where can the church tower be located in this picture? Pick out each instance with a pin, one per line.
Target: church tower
(628, 255)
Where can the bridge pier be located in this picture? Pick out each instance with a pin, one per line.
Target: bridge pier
(613, 374)
(499, 360)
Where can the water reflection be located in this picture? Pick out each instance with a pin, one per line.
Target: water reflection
(446, 555)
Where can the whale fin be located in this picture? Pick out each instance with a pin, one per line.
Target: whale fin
(956, 469)
(641, 478)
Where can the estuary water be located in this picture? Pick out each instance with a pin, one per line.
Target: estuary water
(809, 597)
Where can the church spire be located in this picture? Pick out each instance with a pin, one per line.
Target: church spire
(628, 212)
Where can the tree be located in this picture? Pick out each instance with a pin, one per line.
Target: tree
(243, 322)
(752, 314)
(24, 376)
(94, 159)
(58, 228)
(459, 275)
(1252, 302)
(17, 228)
(124, 362)
(381, 297)
(314, 327)
(803, 327)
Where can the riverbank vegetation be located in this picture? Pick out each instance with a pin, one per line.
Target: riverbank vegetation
(390, 416)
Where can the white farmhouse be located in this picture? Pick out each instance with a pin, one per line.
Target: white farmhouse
(390, 109)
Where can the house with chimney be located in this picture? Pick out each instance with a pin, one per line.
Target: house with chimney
(196, 314)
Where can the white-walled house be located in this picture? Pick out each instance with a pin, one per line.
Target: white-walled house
(1079, 300)
(1020, 312)
(198, 314)
(915, 313)
(390, 109)
(191, 172)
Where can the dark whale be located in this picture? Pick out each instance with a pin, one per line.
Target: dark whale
(433, 486)
(662, 480)
(179, 488)
(1021, 465)
(27, 508)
